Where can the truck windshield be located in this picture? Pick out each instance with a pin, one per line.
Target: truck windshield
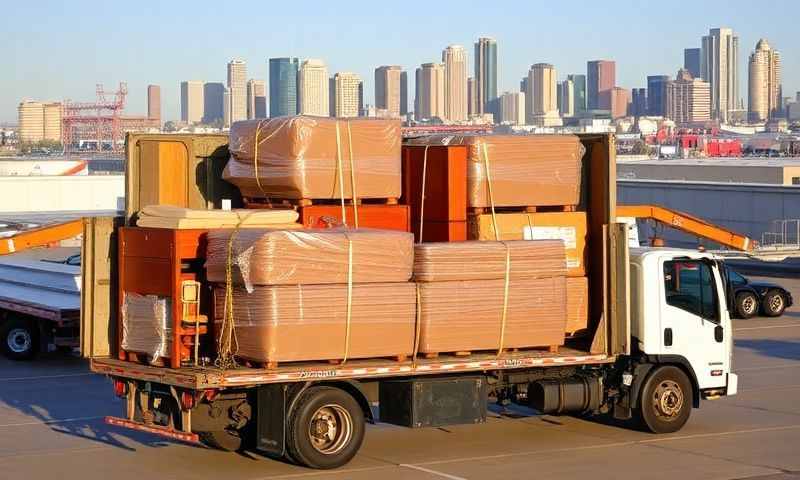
(689, 285)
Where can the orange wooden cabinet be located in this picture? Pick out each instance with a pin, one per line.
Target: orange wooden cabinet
(387, 217)
(155, 261)
(445, 182)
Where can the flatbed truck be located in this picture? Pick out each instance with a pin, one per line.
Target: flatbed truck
(659, 341)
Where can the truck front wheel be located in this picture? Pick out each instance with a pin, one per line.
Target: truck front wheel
(326, 428)
(20, 339)
(666, 400)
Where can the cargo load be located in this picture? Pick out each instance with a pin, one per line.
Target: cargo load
(524, 170)
(316, 256)
(290, 323)
(304, 157)
(146, 325)
(577, 304)
(387, 217)
(438, 262)
(434, 231)
(570, 227)
(166, 216)
(458, 316)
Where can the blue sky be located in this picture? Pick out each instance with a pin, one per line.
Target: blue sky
(56, 50)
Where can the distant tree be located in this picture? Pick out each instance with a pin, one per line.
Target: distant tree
(170, 126)
(641, 148)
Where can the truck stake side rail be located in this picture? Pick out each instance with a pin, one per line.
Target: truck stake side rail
(202, 378)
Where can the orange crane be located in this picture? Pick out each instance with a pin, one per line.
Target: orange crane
(41, 236)
(688, 224)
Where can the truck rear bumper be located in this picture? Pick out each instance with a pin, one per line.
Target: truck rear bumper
(154, 429)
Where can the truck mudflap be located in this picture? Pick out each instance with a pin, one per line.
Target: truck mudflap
(154, 429)
(732, 385)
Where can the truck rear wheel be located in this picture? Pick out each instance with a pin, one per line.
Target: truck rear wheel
(326, 428)
(20, 339)
(746, 305)
(666, 401)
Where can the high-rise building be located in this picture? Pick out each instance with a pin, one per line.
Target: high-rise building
(764, 89)
(620, 98)
(691, 61)
(657, 94)
(719, 66)
(227, 107)
(403, 93)
(429, 101)
(346, 89)
(601, 77)
(256, 99)
(214, 103)
(523, 85)
(39, 121)
(485, 73)
(566, 94)
(388, 83)
(512, 108)
(472, 97)
(688, 99)
(312, 84)
(579, 86)
(542, 90)
(192, 101)
(283, 86)
(154, 102)
(454, 58)
(639, 102)
(237, 84)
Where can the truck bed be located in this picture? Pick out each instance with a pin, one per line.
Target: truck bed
(211, 377)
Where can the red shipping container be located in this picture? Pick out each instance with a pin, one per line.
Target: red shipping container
(434, 231)
(387, 217)
(445, 182)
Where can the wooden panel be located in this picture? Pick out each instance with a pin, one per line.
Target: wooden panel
(147, 242)
(173, 174)
(147, 276)
(98, 287)
(191, 243)
(619, 311)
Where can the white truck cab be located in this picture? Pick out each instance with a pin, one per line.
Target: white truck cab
(679, 317)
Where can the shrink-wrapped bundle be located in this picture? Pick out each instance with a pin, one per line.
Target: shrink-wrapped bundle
(145, 325)
(288, 323)
(309, 157)
(322, 256)
(525, 170)
(443, 261)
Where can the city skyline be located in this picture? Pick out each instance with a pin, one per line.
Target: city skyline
(202, 59)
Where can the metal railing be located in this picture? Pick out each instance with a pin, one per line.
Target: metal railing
(785, 234)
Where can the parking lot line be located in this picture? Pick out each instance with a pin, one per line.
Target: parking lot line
(432, 472)
(45, 377)
(50, 422)
(765, 327)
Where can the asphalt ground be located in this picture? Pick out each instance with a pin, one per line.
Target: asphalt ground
(52, 409)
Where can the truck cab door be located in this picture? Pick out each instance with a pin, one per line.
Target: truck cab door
(694, 319)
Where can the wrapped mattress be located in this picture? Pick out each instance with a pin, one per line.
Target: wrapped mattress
(467, 315)
(276, 257)
(525, 170)
(145, 325)
(435, 262)
(301, 157)
(309, 322)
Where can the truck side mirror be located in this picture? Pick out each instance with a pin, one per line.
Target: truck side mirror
(718, 333)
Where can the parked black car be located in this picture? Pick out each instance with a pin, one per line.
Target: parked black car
(750, 298)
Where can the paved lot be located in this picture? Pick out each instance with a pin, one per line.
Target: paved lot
(51, 425)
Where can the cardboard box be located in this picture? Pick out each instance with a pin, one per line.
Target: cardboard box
(577, 304)
(445, 182)
(434, 231)
(568, 226)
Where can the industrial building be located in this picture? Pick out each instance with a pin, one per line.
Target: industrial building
(768, 171)
(39, 121)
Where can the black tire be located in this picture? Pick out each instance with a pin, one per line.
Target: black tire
(20, 339)
(221, 440)
(746, 305)
(314, 406)
(774, 304)
(666, 400)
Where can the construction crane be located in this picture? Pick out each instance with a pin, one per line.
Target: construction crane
(40, 236)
